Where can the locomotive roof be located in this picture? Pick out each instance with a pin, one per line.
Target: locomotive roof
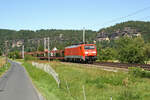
(73, 46)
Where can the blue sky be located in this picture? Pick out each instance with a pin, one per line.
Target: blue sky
(68, 14)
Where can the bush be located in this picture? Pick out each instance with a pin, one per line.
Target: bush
(14, 55)
(147, 50)
(107, 54)
(131, 50)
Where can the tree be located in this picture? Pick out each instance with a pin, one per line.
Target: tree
(0, 52)
(147, 51)
(41, 48)
(107, 54)
(131, 50)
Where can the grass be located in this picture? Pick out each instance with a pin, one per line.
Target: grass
(19, 60)
(3, 67)
(46, 84)
(99, 84)
(2, 61)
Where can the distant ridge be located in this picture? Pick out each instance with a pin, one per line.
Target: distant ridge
(130, 28)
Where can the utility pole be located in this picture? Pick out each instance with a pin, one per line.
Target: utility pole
(38, 45)
(48, 49)
(23, 52)
(44, 46)
(84, 35)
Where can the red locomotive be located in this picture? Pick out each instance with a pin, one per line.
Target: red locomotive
(81, 53)
(75, 53)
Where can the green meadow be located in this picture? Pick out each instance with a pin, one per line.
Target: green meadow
(98, 84)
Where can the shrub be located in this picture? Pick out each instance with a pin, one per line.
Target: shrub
(147, 51)
(107, 54)
(14, 55)
(131, 50)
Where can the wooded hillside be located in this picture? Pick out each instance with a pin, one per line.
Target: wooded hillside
(130, 28)
(34, 39)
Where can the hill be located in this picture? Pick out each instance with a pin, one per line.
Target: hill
(34, 39)
(130, 28)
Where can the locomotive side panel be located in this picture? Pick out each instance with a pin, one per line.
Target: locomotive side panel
(73, 53)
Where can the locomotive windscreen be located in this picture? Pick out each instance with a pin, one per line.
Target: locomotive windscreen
(89, 47)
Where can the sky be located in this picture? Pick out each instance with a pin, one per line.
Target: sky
(70, 14)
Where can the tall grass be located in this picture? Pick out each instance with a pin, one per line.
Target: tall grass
(2, 61)
(46, 84)
(99, 84)
(3, 66)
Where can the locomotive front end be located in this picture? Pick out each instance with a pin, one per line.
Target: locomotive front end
(90, 52)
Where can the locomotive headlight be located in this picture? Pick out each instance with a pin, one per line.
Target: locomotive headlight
(86, 52)
(93, 52)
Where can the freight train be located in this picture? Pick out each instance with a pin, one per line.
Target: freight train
(76, 53)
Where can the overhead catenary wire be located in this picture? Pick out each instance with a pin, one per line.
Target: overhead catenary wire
(143, 18)
(123, 17)
(129, 15)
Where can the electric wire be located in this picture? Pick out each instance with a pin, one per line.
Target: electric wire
(123, 17)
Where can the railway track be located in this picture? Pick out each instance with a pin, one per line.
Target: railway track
(117, 65)
(123, 65)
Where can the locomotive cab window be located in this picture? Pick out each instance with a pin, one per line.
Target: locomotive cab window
(89, 47)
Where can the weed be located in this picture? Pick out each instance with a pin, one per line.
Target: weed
(129, 94)
(139, 72)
